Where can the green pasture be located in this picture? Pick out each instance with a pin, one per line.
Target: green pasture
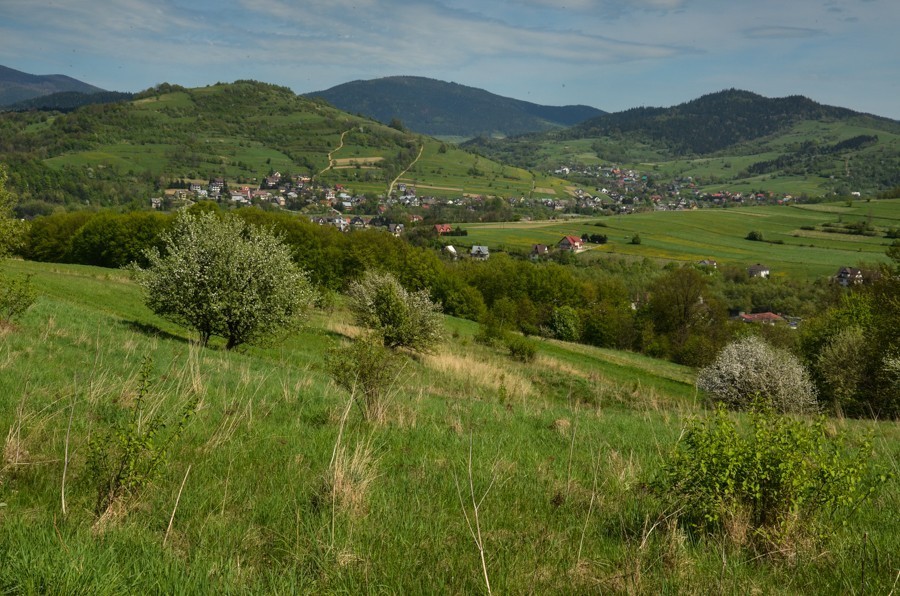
(455, 172)
(719, 234)
(123, 156)
(557, 454)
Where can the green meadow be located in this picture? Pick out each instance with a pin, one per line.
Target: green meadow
(796, 241)
(277, 485)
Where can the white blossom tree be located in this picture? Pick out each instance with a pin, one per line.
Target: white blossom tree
(750, 368)
(222, 277)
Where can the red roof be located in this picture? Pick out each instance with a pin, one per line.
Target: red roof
(761, 317)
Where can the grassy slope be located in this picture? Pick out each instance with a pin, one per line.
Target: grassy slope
(199, 132)
(725, 166)
(253, 515)
(718, 234)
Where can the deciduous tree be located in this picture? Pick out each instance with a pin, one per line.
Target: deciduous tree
(220, 276)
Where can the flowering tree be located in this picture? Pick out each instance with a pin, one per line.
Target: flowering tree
(220, 276)
(750, 368)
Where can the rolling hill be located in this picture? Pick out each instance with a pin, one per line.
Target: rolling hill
(66, 101)
(728, 139)
(115, 153)
(18, 86)
(437, 108)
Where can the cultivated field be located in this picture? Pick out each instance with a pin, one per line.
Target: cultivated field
(719, 234)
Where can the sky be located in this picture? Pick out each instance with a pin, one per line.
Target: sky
(610, 54)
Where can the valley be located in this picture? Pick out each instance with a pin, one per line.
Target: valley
(653, 351)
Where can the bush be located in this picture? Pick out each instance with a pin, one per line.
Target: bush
(127, 456)
(401, 318)
(10, 228)
(367, 370)
(220, 276)
(749, 368)
(521, 348)
(565, 324)
(780, 479)
(16, 296)
(755, 236)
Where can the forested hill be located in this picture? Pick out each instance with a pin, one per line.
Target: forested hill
(108, 154)
(438, 108)
(16, 85)
(66, 101)
(717, 121)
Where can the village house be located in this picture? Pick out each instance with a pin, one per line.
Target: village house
(441, 229)
(479, 252)
(764, 318)
(572, 243)
(758, 270)
(849, 276)
(539, 251)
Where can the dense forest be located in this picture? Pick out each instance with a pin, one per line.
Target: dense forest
(434, 107)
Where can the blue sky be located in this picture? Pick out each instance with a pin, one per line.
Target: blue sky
(611, 54)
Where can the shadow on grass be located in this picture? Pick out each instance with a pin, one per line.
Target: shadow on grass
(154, 331)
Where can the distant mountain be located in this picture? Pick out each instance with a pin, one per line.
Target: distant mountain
(715, 121)
(731, 137)
(437, 108)
(16, 86)
(66, 101)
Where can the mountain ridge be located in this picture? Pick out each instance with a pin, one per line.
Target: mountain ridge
(16, 86)
(438, 108)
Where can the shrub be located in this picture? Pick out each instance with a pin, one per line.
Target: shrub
(367, 370)
(10, 228)
(401, 318)
(636, 239)
(521, 348)
(16, 296)
(749, 368)
(755, 236)
(220, 276)
(781, 478)
(565, 324)
(125, 457)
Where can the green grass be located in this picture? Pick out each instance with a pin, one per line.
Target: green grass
(720, 234)
(565, 445)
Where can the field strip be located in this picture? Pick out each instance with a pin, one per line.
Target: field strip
(351, 161)
(515, 226)
(836, 236)
(439, 187)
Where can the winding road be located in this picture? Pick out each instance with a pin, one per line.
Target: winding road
(394, 181)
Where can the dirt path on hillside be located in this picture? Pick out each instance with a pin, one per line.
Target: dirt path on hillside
(332, 152)
(394, 181)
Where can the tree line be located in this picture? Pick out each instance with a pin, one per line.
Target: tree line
(680, 313)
